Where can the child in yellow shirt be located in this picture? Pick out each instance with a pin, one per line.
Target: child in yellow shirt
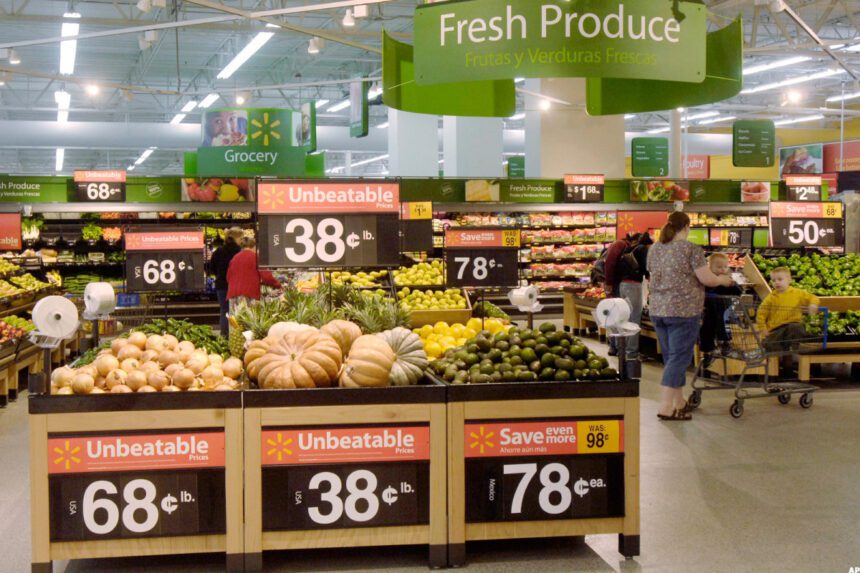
(781, 313)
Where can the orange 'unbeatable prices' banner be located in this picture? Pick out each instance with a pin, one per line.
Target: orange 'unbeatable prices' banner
(290, 446)
(543, 438)
(111, 176)
(118, 453)
(164, 241)
(10, 231)
(318, 197)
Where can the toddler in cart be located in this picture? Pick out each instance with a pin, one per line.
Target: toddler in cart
(717, 301)
(780, 315)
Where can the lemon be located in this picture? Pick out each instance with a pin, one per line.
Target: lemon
(433, 349)
(426, 331)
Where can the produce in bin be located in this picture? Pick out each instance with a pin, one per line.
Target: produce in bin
(420, 274)
(7, 267)
(450, 298)
(14, 327)
(838, 324)
(489, 310)
(522, 355)
(822, 275)
(439, 337)
(360, 279)
(91, 232)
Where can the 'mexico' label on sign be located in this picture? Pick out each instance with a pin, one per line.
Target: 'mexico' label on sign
(289, 446)
(486, 39)
(85, 454)
(317, 197)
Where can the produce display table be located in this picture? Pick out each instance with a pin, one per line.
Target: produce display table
(337, 467)
(28, 360)
(578, 313)
(836, 353)
(543, 459)
(134, 475)
(7, 371)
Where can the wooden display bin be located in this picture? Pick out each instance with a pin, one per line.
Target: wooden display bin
(543, 459)
(134, 475)
(578, 313)
(451, 316)
(338, 467)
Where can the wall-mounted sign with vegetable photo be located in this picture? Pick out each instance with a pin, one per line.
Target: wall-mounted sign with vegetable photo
(218, 189)
(657, 190)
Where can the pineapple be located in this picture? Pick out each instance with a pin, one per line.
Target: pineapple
(236, 340)
(376, 314)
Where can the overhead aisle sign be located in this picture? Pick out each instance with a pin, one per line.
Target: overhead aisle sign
(650, 156)
(753, 143)
(100, 186)
(315, 224)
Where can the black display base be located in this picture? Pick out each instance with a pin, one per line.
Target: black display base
(438, 556)
(235, 562)
(456, 555)
(253, 562)
(4, 400)
(13, 394)
(628, 545)
(42, 567)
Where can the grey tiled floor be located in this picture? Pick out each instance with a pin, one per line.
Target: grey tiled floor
(777, 490)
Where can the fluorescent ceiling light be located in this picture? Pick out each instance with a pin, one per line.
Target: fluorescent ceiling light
(177, 119)
(348, 20)
(717, 119)
(658, 130)
(383, 125)
(371, 160)
(799, 119)
(629, 115)
(240, 99)
(64, 100)
(68, 48)
(144, 155)
(253, 46)
(517, 116)
(339, 106)
(793, 81)
(209, 100)
(774, 65)
(702, 115)
(844, 97)
(189, 106)
(320, 103)
(519, 80)
(130, 167)
(61, 157)
(373, 92)
(14, 58)
(441, 161)
(545, 104)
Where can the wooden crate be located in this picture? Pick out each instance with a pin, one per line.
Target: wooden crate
(195, 494)
(481, 504)
(452, 316)
(280, 515)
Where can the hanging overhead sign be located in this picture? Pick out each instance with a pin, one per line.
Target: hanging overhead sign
(100, 186)
(753, 143)
(650, 156)
(486, 39)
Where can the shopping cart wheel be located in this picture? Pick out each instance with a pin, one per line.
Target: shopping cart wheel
(695, 399)
(784, 398)
(805, 400)
(737, 409)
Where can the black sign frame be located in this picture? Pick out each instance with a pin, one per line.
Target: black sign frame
(115, 189)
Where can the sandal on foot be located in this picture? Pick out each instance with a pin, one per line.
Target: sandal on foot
(687, 409)
(676, 415)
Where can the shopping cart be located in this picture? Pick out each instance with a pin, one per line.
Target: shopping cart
(742, 342)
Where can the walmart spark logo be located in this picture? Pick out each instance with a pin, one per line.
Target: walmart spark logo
(271, 197)
(265, 129)
(482, 440)
(279, 447)
(67, 455)
(625, 224)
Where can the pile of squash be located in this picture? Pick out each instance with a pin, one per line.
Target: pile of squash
(338, 354)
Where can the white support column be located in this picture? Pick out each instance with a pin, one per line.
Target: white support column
(413, 144)
(533, 129)
(676, 151)
(473, 146)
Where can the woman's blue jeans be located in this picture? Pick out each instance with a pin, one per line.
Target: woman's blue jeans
(677, 337)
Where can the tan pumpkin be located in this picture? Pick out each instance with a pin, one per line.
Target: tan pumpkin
(255, 351)
(369, 363)
(305, 359)
(411, 361)
(344, 333)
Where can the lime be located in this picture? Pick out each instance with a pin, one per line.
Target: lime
(469, 358)
(528, 354)
(548, 360)
(562, 375)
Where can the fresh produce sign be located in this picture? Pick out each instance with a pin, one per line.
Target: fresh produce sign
(583, 188)
(525, 470)
(10, 232)
(345, 477)
(803, 187)
(806, 224)
(321, 224)
(164, 260)
(482, 257)
(100, 186)
(111, 486)
(659, 190)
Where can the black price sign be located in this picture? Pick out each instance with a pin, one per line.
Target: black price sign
(334, 240)
(100, 186)
(164, 260)
(806, 224)
(416, 227)
(742, 237)
(802, 188)
(481, 267)
(345, 496)
(583, 188)
(136, 504)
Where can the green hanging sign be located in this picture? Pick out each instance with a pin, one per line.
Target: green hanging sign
(650, 156)
(34, 189)
(753, 143)
(359, 115)
(486, 40)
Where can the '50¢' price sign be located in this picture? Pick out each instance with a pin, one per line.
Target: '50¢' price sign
(164, 260)
(806, 224)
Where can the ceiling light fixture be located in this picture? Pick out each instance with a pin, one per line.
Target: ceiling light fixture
(383, 125)
(545, 104)
(69, 48)
(517, 116)
(189, 106)
(61, 157)
(717, 120)
(360, 11)
(339, 106)
(14, 58)
(92, 90)
(774, 65)
(798, 120)
(519, 80)
(240, 99)
(793, 81)
(64, 100)
(793, 96)
(659, 130)
(371, 160)
(177, 119)
(348, 20)
(629, 115)
(314, 45)
(844, 97)
(247, 52)
(702, 115)
(209, 100)
(320, 102)
(144, 155)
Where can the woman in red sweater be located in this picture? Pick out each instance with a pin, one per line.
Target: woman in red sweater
(243, 276)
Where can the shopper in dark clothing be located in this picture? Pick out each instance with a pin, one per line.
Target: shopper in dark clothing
(632, 270)
(218, 266)
(611, 270)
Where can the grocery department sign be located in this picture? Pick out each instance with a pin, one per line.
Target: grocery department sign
(491, 40)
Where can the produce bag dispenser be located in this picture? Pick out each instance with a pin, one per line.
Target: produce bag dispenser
(613, 314)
